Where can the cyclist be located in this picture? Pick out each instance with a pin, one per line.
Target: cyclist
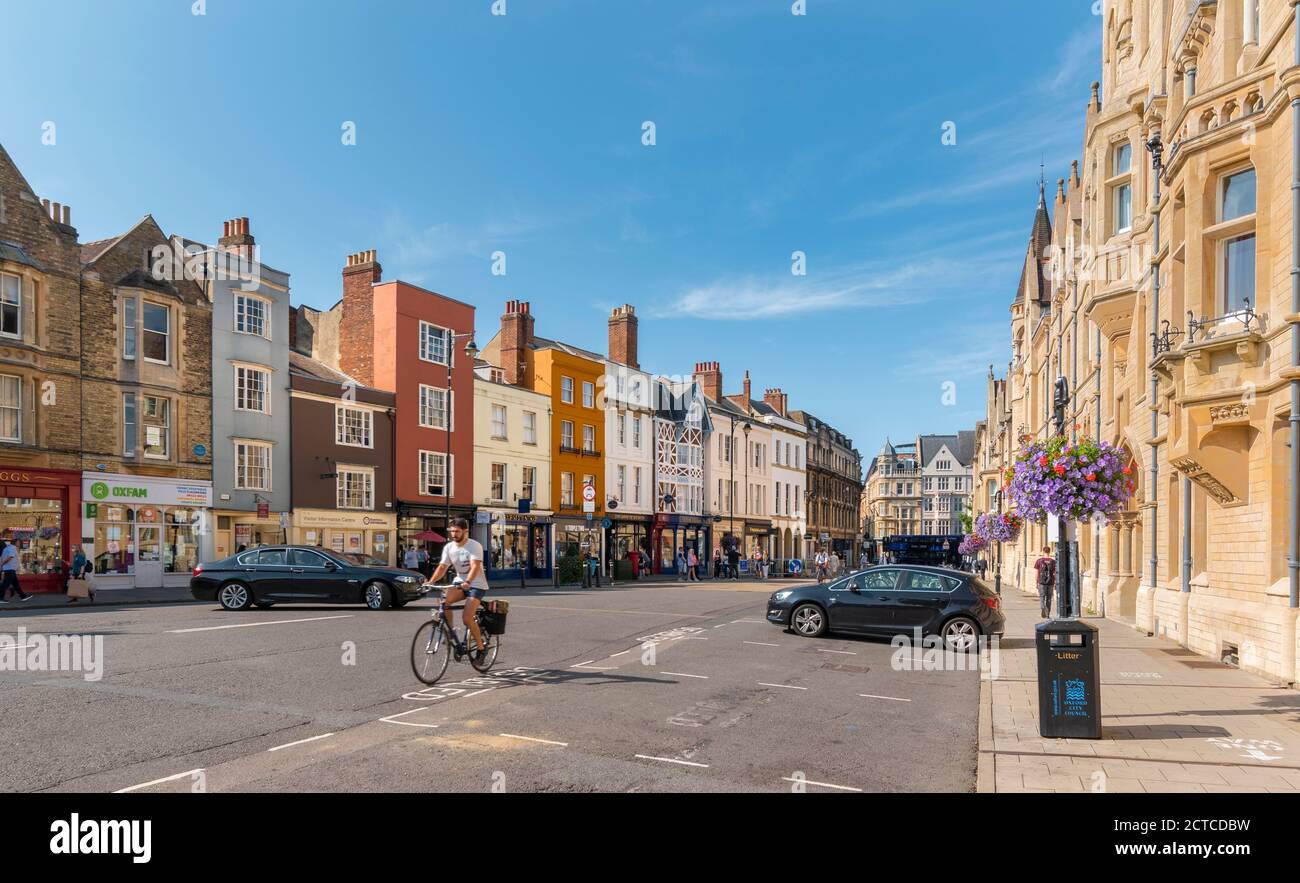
(465, 556)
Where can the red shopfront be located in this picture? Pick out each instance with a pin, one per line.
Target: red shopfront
(40, 510)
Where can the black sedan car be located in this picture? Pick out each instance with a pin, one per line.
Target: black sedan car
(271, 575)
(894, 599)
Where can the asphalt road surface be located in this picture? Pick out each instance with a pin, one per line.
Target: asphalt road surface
(308, 698)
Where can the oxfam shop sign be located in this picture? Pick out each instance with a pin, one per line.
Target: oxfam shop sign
(132, 489)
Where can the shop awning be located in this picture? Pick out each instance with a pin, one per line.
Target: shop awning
(428, 536)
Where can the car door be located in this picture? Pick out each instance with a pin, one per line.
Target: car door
(922, 598)
(864, 601)
(315, 577)
(274, 579)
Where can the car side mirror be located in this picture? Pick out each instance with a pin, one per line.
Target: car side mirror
(331, 566)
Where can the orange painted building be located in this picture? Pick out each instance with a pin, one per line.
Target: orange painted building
(572, 379)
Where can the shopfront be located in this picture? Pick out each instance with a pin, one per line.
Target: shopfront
(758, 534)
(686, 532)
(40, 510)
(145, 532)
(416, 524)
(238, 529)
(350, 533)
(515, 545)
(628, 534)
(578, 537)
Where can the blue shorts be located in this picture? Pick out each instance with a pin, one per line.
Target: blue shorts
(472, 592)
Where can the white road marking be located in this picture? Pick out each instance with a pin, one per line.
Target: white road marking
(720, 625)
(680, 674)
(760, 643)
(247, 625)
(671, 760)
(300, 742)
(576, 664)
(158, 781)
(531, 739)
(389, 720)
(750, 620)
(612, 655)
(783, 686)
(845, 652)
(820, 784)
(595, 667)
(891, 698)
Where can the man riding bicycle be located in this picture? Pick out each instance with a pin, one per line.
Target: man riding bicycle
(465, 556)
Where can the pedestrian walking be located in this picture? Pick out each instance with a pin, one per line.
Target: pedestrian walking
(717, 564)
(981, 566)
(1046, 568)
(411, 559)
(864, 560)
(80, 569)
(9, 572)
(733, 562)
(681, 565)
(693, 563)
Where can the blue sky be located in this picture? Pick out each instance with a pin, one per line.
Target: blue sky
(522, 133)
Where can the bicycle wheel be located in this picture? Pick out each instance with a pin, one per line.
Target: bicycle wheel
(430, 651)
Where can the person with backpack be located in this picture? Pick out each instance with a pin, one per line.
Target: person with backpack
(1046, 569)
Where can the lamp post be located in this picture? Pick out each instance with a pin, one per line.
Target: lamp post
(997, 574)
(472, 351)
(1064, 605)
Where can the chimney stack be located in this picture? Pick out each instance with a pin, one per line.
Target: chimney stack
(622, 336)
(516, 335)
(709, 376)
(357, 340)
(236, 238)
(747, 399)
(776, 400)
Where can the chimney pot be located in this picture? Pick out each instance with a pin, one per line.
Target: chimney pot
(67, 216)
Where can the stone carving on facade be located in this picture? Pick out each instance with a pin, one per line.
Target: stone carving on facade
(1224, 413)
(1211, 485)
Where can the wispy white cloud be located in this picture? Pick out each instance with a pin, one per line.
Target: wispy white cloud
(879, 284)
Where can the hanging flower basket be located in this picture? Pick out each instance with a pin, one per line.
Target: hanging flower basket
(994, 528)
(971, 545)
(1084, 481)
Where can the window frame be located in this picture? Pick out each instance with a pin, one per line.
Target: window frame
(18, 408)
(142, 413)
(267, 309)
(145, 304)
(504, 434)
(340, 488)
(566, 389)
(449, 473)
(17, 306)
(424, 350)
(448, 409)
(249, 444)
(340, 425)
(247, 369)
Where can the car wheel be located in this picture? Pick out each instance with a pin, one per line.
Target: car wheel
(378, 596)
(808, 621)
(262, 605)
(234, 596)
(961, 634)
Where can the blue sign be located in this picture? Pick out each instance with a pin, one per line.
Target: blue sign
(795, 566)
(606, 523)
(200, 451)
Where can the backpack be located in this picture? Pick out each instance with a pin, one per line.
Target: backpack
(1047, 573)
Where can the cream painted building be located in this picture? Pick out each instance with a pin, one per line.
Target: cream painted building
(512, 446)
(1174, 316)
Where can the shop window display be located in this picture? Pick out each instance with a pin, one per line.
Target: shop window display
(36, 529)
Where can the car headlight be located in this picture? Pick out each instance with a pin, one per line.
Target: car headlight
(408, 579)
(781, 596)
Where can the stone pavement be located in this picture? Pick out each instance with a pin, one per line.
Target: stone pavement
(1172, 720)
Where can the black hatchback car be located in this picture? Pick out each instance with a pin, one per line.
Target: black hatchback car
(894, 599)
(270, 575)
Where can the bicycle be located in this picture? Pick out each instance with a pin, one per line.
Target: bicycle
(436, 642)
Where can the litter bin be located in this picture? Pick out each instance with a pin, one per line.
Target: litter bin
(1069, 680)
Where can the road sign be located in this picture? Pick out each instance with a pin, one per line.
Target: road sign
(284, 521)
(589, 493)
(263, 510)
(606, 523)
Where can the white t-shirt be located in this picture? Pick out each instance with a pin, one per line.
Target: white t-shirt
(459, 558)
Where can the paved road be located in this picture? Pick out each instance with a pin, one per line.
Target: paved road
(266, 700)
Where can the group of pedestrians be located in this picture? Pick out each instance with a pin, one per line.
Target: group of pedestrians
(417, 558)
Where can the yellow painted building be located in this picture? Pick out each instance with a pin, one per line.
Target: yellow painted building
(1173, 313)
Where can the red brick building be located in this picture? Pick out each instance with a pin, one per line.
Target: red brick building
(397, 336)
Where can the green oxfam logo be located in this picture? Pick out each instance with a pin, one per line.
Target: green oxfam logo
(99, 490)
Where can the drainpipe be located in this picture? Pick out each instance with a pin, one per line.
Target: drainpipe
(1187, 534)
(1294, 562)
(1156, 149)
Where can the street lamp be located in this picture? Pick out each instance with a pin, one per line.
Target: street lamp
(1061, 398)
(472, 351)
